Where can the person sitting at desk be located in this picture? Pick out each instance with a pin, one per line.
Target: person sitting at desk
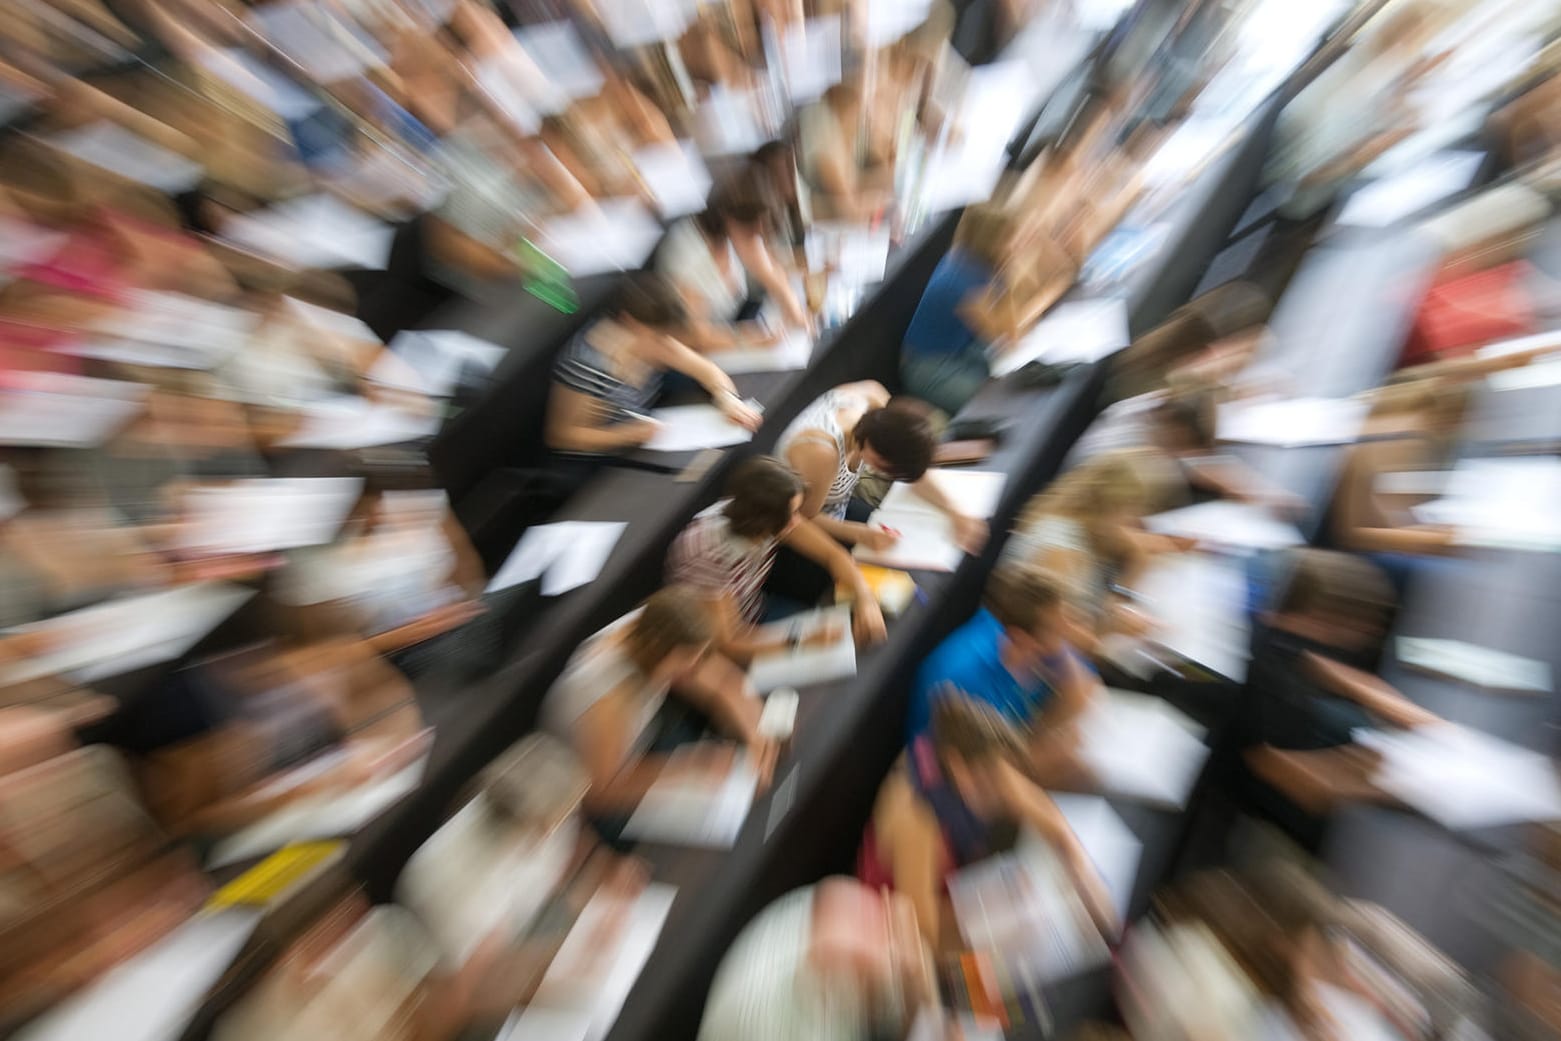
(726, 554)
(944, 358)
(608, 704)
(958, 796)
(843, 187)
(857, 426)
(1312, 679)
(833, 961)
(1013, 655)
(608, 377)
(1086, 528)
(709, 259)
(1181, 428)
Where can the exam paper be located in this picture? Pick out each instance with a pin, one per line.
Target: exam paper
(676, 177)
(727, 123)
(1111, 845)
(806, 665)
(807, 56)
(1075, 331)
(688, 428)
(793, 352)
(259, 82)
(691, 812)
(1390, 200)
(265, 514)
(855, 254)
(565, 555)
(566, 64)
(152, 996)
(1199, 604)
(318, 231)
(169, 330)
(637, 23)
(1139, 747)
(324, 46)
(119, 636)
(1238, 526)
(347, 423)
(926, 541)
(1292, 422)
(56, 410)
(1504, 503)
(1475, 665)
(613, 235)
(440, 355)
(1464, 779)
(111, 147)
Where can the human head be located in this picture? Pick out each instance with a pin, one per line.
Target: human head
(671, 635)
(844, 98)
(897, 440)
(1345, 599)
(851, 938)
(1027, 600)
(1108, 490)
(765, 495)
(1431, 404)
(647, 303)
(986, 232)
(1184, 422)
(738, 202)
(973, 743)
(536, 784)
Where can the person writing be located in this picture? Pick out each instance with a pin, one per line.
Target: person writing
(727, 552)
(609, 376)
(958, 796)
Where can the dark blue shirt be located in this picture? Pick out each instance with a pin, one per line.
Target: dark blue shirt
(936, 327)
(971, 660)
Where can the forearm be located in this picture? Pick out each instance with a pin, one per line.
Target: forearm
(1412, 540)
(849, 532)
(594, 440)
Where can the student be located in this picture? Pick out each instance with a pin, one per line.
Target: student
(1311, 680)
(944, 358)
(1013, 656)
(1181, 427)
(609, 376)
(958, 796)
(842, 187)
(608, 700)
(833, 961)
(711, 258)
(857, 426)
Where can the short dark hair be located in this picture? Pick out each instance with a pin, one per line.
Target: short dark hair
(649, 299)
(1018, 592)
(1192, 413)
(902, 433)
(1340, 586)
(762, 490)
(738, 199)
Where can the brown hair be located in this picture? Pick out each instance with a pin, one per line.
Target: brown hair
(972, 731)
(1339, 586)
(1106, 482)
(672, 618)
(1018, 593)
(984, 232)
(903, 434)
(762, 490)
(649, 299)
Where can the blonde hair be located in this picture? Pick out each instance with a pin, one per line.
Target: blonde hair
(984, 232)
(1107, 483)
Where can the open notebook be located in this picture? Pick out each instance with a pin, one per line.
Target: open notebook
(926, 540)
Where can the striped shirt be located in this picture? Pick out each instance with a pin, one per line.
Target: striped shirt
(587, 370)
(711, 558)
(820, 422)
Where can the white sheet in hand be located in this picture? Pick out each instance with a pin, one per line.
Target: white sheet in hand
(926, 541)
(688, 428)
(806, 666)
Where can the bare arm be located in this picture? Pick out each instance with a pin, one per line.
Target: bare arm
(768, 272)
(910, 832)
(1366, 690)
(816, 460)
(573, 425)
(1032, 806)
(809, 540)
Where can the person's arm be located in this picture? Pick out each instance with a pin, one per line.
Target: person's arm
(734, 637)
(452, 246)
(1371, 693)
(679, 357)
(573, 425)
(816, 460)
(721, 690)
(1032, 806)
(1368, 525)
(601, 740)
(759, 262)
(970, 533)
(1055, 732)
(910, 837)
(808, 539)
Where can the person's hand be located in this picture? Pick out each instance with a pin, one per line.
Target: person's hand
(877, 539)
(638, 432)
(823, 636)
(970, 533)
(867, 623)
(762, 754)
(1130, 621)
(739, 411)
(706, 762)
(757, 334)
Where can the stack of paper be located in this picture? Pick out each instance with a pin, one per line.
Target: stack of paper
(1228, 525)
(1076, 331)
(565, 555)
(926, 535)
(266, 514)
(1463, 778)
(792, 353)
(689, 428)
(1477, 666)
(1199, 605)
(1138, 747)
(806, 666)
(1292, 422)
(676, 177)
(1505, 503)
(613, 235)
(685, 811)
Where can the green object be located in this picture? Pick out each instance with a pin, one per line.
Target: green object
(546, 278)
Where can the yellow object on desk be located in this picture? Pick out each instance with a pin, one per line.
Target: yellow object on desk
(893, 589)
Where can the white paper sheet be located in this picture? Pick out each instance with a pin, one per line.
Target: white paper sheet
(22, 242)
(727, 122)
(1465, 779)
(565, 555)
(683, 812)
(439, 356)
(119, 636)
(808, 56)
(615, 235)
(261, 515)
(1112, 847)
(1535, 374)
(1237, 526)
(926, 541)
(806, 665)
(636, 23)
(1389, 201)
(688, 428)
(676, 177)
(328, 815)
(55, 410)
(792, 353)
(1504, 503)
(325, 48)
(1292, 422)
(1078, 330)
(318, 231)
(259, 82)
(152, 996)
(1199, 603)
(581, 1016)
(885, 21)
(1139, 747)
(1503, 348)
(111, 147)
(1475, 665)
(562, 56)
(348, 423)
(855, 254)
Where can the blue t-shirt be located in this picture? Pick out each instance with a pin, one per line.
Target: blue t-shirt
(970, 660)
(936, 327)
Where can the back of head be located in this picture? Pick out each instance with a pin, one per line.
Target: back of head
(1111, 482)
(972, 732)
(672, 618)
(649, 300)
(763, 492)
(1189, 414)
(1019, 594)
(901, 433)
(739, 200)
(984, 232)
(1340, 588)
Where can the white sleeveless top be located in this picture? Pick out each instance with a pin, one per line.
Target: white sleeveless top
(816, 422)
(689, 262)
